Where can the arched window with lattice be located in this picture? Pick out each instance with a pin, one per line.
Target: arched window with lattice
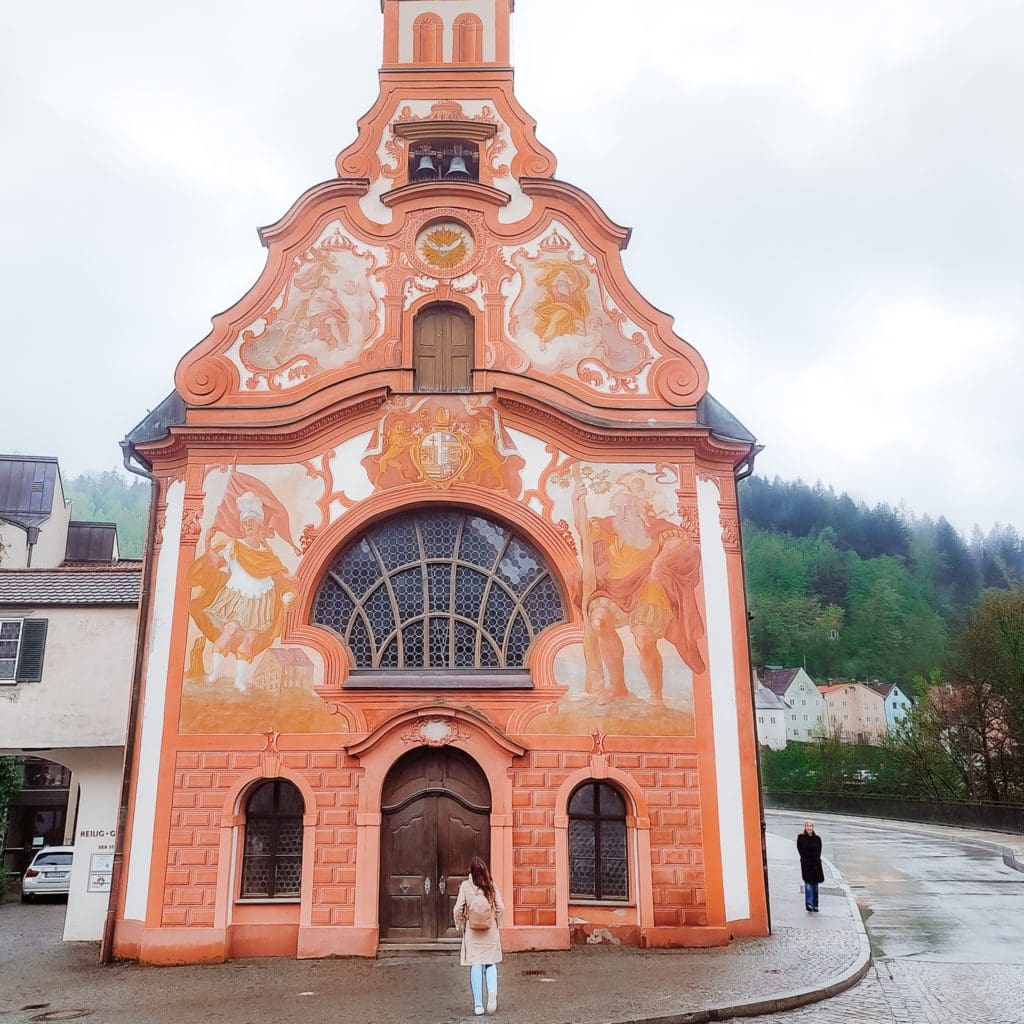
(427, 33)
(272, 844)
(439, 592)
(598, 861)
(468, 40)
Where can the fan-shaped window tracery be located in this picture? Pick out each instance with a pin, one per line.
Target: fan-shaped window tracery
(439, 589)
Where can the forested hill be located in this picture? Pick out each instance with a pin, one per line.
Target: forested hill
(859, 592)
(847, 590)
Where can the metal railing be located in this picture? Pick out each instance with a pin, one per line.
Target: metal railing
(990, 816)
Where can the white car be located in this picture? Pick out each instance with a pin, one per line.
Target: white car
(49, 874)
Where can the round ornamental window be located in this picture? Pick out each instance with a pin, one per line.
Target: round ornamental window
(439, 589)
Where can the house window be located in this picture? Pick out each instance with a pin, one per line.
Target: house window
(22, 644)
(760, 718)
(442, 358)
(439, 589)
(272, 854)
(805, 718)
(804, 703)
(597, 843)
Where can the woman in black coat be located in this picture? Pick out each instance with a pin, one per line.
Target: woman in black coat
(808, 845)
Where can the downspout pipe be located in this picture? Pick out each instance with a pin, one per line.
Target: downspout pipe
(136, 464)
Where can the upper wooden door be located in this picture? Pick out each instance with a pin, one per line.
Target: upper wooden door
(436, 818)
(443, 349)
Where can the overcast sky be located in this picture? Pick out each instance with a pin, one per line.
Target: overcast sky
(828, 196)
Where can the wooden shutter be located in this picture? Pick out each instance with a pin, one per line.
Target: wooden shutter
(30, 654)
(460, 351)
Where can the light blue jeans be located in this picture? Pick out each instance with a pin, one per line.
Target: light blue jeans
(476, 981)
(810, 894)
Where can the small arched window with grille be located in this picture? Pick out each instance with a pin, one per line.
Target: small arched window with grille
(444, 593)
(272, 851)
(597, 843)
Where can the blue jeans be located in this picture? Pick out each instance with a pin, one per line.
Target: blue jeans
(476, 981)
(810, 894)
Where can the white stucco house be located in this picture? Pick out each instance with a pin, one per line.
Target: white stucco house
(770, 712)
(68, 617)
(806, 717)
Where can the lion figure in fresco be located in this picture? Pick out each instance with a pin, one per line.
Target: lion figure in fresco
(640, 571)
(484, 444)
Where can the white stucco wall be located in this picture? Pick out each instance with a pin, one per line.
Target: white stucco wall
(151, 730)
(13, 546)
(724, 712)
(82, 700)
(771, 728)
(97, 771)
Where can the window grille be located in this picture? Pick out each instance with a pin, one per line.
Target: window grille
(597, 843)
(272, 855)
(10, 641)
(439, 589)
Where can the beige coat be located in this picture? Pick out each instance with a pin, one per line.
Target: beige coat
(479, 946)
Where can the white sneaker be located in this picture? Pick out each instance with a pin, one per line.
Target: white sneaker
(478, 1010)
(492, 1002)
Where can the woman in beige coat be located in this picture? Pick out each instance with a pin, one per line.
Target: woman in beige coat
(478, 915)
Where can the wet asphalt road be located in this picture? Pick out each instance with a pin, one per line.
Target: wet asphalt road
(923, 897)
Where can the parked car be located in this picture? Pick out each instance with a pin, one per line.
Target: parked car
(49, 874)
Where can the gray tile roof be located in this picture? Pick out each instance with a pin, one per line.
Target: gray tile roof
(113, 584)
(766, 700)
(777, 679)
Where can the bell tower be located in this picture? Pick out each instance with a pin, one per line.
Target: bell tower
(454, 35)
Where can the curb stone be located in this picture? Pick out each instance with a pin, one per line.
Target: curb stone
(787, 1000)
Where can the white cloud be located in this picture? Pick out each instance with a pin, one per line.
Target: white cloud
(826, 195)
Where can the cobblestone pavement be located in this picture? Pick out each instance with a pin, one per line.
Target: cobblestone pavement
(912, 992)
(954, 911)
(581, 986)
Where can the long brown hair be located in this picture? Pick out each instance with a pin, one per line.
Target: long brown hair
(481, 876)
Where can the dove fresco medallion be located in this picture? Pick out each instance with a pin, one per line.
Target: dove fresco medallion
(445, 246)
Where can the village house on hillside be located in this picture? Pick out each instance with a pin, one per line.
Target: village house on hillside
(897, 703)
(856, 712)
(68, 615)
(771, 711)
(805, 715)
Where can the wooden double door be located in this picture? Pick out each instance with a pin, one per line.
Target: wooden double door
(435, 818)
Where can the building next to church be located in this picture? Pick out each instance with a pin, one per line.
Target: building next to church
(68, 616)
(446, 562)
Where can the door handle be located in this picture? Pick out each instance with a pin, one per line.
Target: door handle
(442, 885)
(426, 886)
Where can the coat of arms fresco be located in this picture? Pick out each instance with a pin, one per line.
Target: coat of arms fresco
(442, 442)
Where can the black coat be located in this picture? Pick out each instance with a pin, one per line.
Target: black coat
(809, 848)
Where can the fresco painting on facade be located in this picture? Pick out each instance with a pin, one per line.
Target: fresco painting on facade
(564, 321)
(321, 320)
(441, 442)
(542, 498)
(642, 628)
(238, 677)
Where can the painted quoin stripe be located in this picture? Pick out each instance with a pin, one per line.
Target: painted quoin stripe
(722, 669)
(144, 817)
